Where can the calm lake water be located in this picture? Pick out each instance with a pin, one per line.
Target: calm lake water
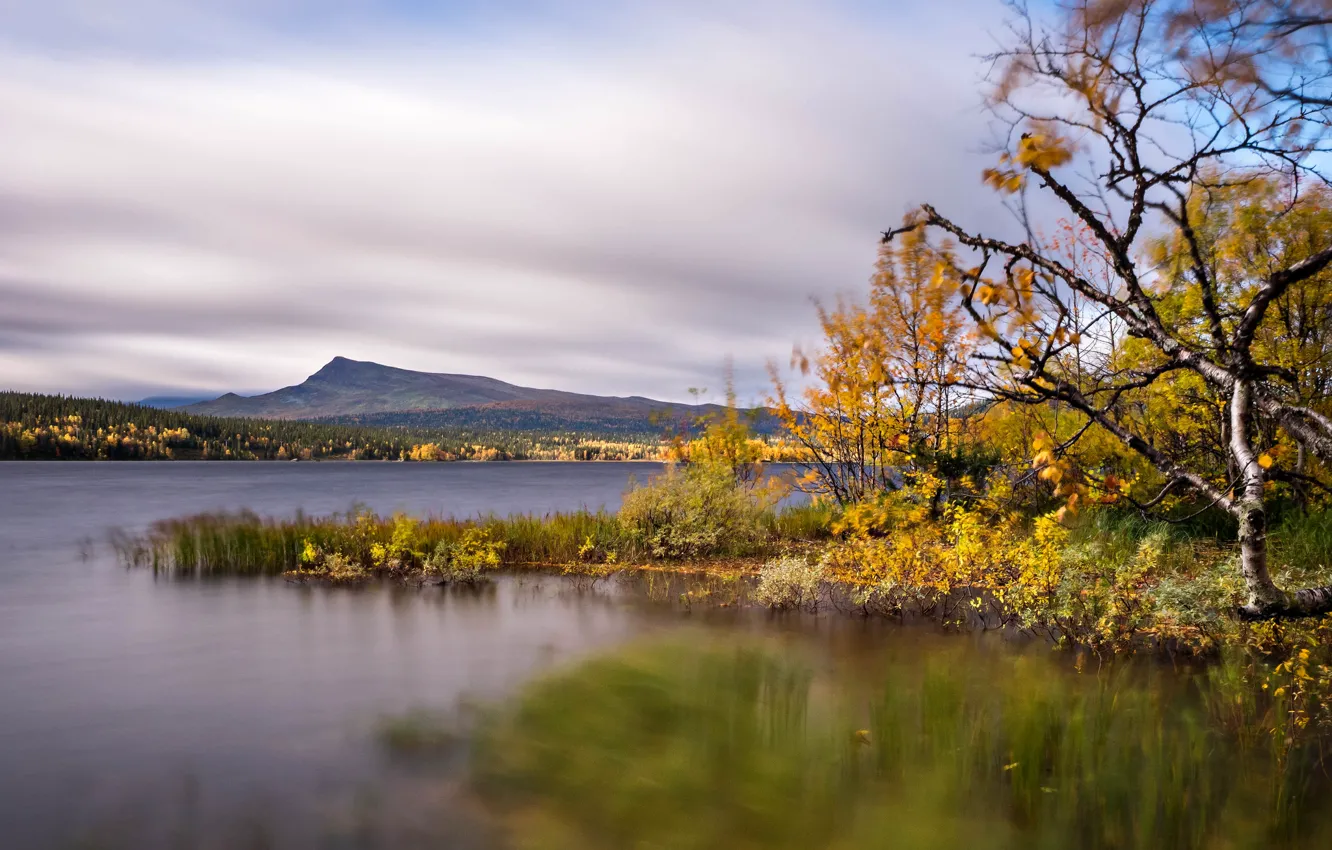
(139, 712)
(119, 690)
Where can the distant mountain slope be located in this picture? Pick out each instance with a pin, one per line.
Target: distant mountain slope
(166, 402)
(370, 393)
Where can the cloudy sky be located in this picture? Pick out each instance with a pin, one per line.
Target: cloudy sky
(213, 195)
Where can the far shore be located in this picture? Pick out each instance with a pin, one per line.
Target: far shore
(325, 460)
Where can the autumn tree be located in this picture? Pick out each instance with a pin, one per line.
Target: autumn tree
(722, 437)
(1270, 49)
(1248, 231)
(725, 438)
(886, 393)
(1127, 116)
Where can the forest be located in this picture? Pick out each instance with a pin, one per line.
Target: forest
(34, 426)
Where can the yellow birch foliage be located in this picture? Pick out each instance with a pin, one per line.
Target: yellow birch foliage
(886, 378)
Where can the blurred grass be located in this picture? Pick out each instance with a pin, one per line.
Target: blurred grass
(692, 746)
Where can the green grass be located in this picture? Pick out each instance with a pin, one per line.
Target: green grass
(1301, 543)
(810, 521)
(694, 745)
(245, 544)
(1120, 531)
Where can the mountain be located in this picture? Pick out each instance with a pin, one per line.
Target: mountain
(355, 391)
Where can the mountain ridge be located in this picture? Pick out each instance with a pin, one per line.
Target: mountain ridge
(349, 390)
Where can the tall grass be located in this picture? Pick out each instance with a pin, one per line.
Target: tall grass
(807, 521)
(1301, 543)
(1121, 532)
(245, 544)
(693, 745)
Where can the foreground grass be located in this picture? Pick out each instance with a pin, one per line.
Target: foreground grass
(693, 745)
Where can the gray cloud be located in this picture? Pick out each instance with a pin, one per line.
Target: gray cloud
(613, 209)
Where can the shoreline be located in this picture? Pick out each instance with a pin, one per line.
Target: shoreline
(164, 460)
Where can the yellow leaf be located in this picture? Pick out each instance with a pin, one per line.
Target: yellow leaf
(1265, 461)
(1037, 150)
(1005, 180)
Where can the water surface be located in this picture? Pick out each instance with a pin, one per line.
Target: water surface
(119, 688)
(140, 711)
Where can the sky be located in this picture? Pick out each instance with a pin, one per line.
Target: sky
(613, 198)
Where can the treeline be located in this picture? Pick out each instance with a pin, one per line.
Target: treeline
(497, 419)
(35, 426)
(613, 424)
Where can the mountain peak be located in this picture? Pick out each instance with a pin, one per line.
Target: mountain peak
(342, 366)
(341, 362)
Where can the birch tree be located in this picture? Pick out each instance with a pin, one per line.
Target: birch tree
(1123, 115)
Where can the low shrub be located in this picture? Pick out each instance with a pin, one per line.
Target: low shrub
(403, 550)
(466, 560)
(1101, 579)
(790, 581)
(331, 566)
(696, 511)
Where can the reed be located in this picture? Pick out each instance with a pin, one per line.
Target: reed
(246, 544)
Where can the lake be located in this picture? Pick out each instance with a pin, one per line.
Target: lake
(141, 711)
(117, 686)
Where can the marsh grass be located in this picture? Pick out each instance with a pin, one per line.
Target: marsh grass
(245, 544)
(1115, 582)
(694, 745)
(1122, 532)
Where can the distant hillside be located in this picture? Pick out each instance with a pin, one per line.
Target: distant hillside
(166, 402)
(36, 427)
(353, 391)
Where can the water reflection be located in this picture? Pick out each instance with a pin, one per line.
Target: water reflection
(259, 690)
